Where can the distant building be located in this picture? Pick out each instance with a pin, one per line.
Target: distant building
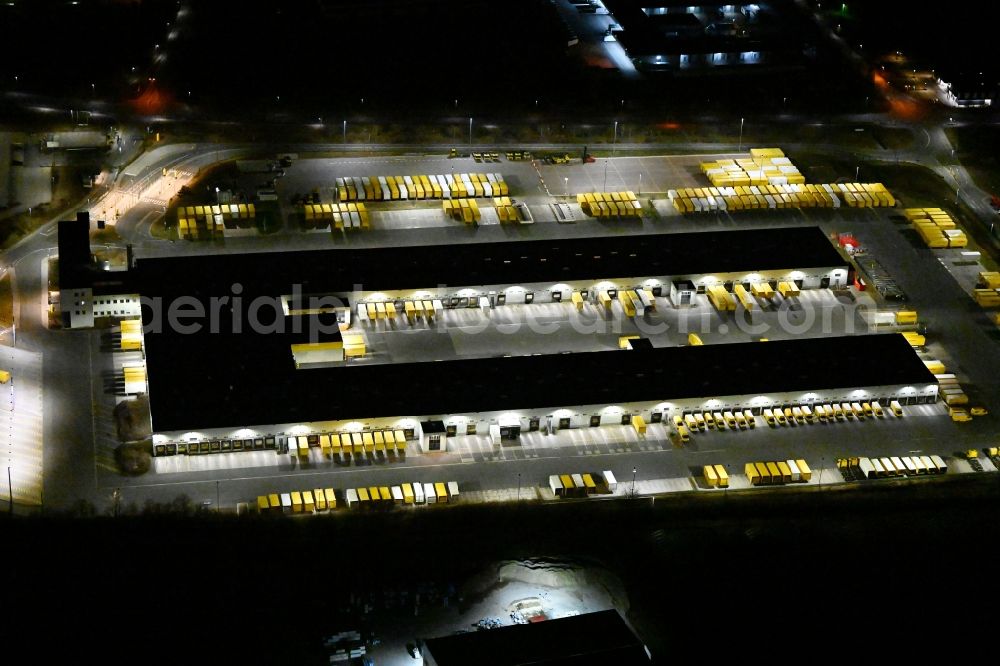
(969, 90)
(679, 37)
(591, 639)
(87, 291)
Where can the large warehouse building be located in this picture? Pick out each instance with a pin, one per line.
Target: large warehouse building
(218, 384)
(263, 395)
(508, 273)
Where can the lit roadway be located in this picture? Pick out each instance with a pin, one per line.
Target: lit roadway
(76, 409)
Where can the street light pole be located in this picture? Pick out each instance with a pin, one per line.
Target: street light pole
(633, 482)
(470, 133)
(345, 131)
(741, 135)
(857, 172)
(640, 183)
(614, 141)
(518, 486)
(566, 185)
(606, 162)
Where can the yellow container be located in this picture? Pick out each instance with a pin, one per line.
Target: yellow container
(711, 478)
(720, 472)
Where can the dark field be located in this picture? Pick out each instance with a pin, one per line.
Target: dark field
(816, 573)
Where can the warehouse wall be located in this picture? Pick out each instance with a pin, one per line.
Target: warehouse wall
(80, 307)
(579, 417)
(542, 292)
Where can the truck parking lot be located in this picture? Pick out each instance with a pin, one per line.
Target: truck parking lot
(955, 334)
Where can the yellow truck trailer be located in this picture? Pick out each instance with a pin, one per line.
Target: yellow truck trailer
(788, 289)
(722, 475)
(744, 296)
(711, 478)
(627, 305)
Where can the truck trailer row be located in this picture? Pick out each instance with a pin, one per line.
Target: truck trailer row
(583, 484)
(777, 472)
(716, 476)
(802, 414)
(325, 499)
(987, 291)
(439, 492)
(388, 310)
(463, 210)
(765, 166)
(209, 446)
(893, 466)
(340, 216)
(347, 443)
(609, 204)
(397, 188)
(506, 210)
(757, 197)
(207, 221)
(948, 388)
(299, 501)
(131, 335)
(700, 422)
(936, 228)
(634, 302)
(723, 300)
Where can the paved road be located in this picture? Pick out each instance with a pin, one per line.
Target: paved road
(480, 467)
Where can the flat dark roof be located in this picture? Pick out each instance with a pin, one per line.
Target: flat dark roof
(206, 380)
(581, 640)
(75, 261)
(507, 263)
